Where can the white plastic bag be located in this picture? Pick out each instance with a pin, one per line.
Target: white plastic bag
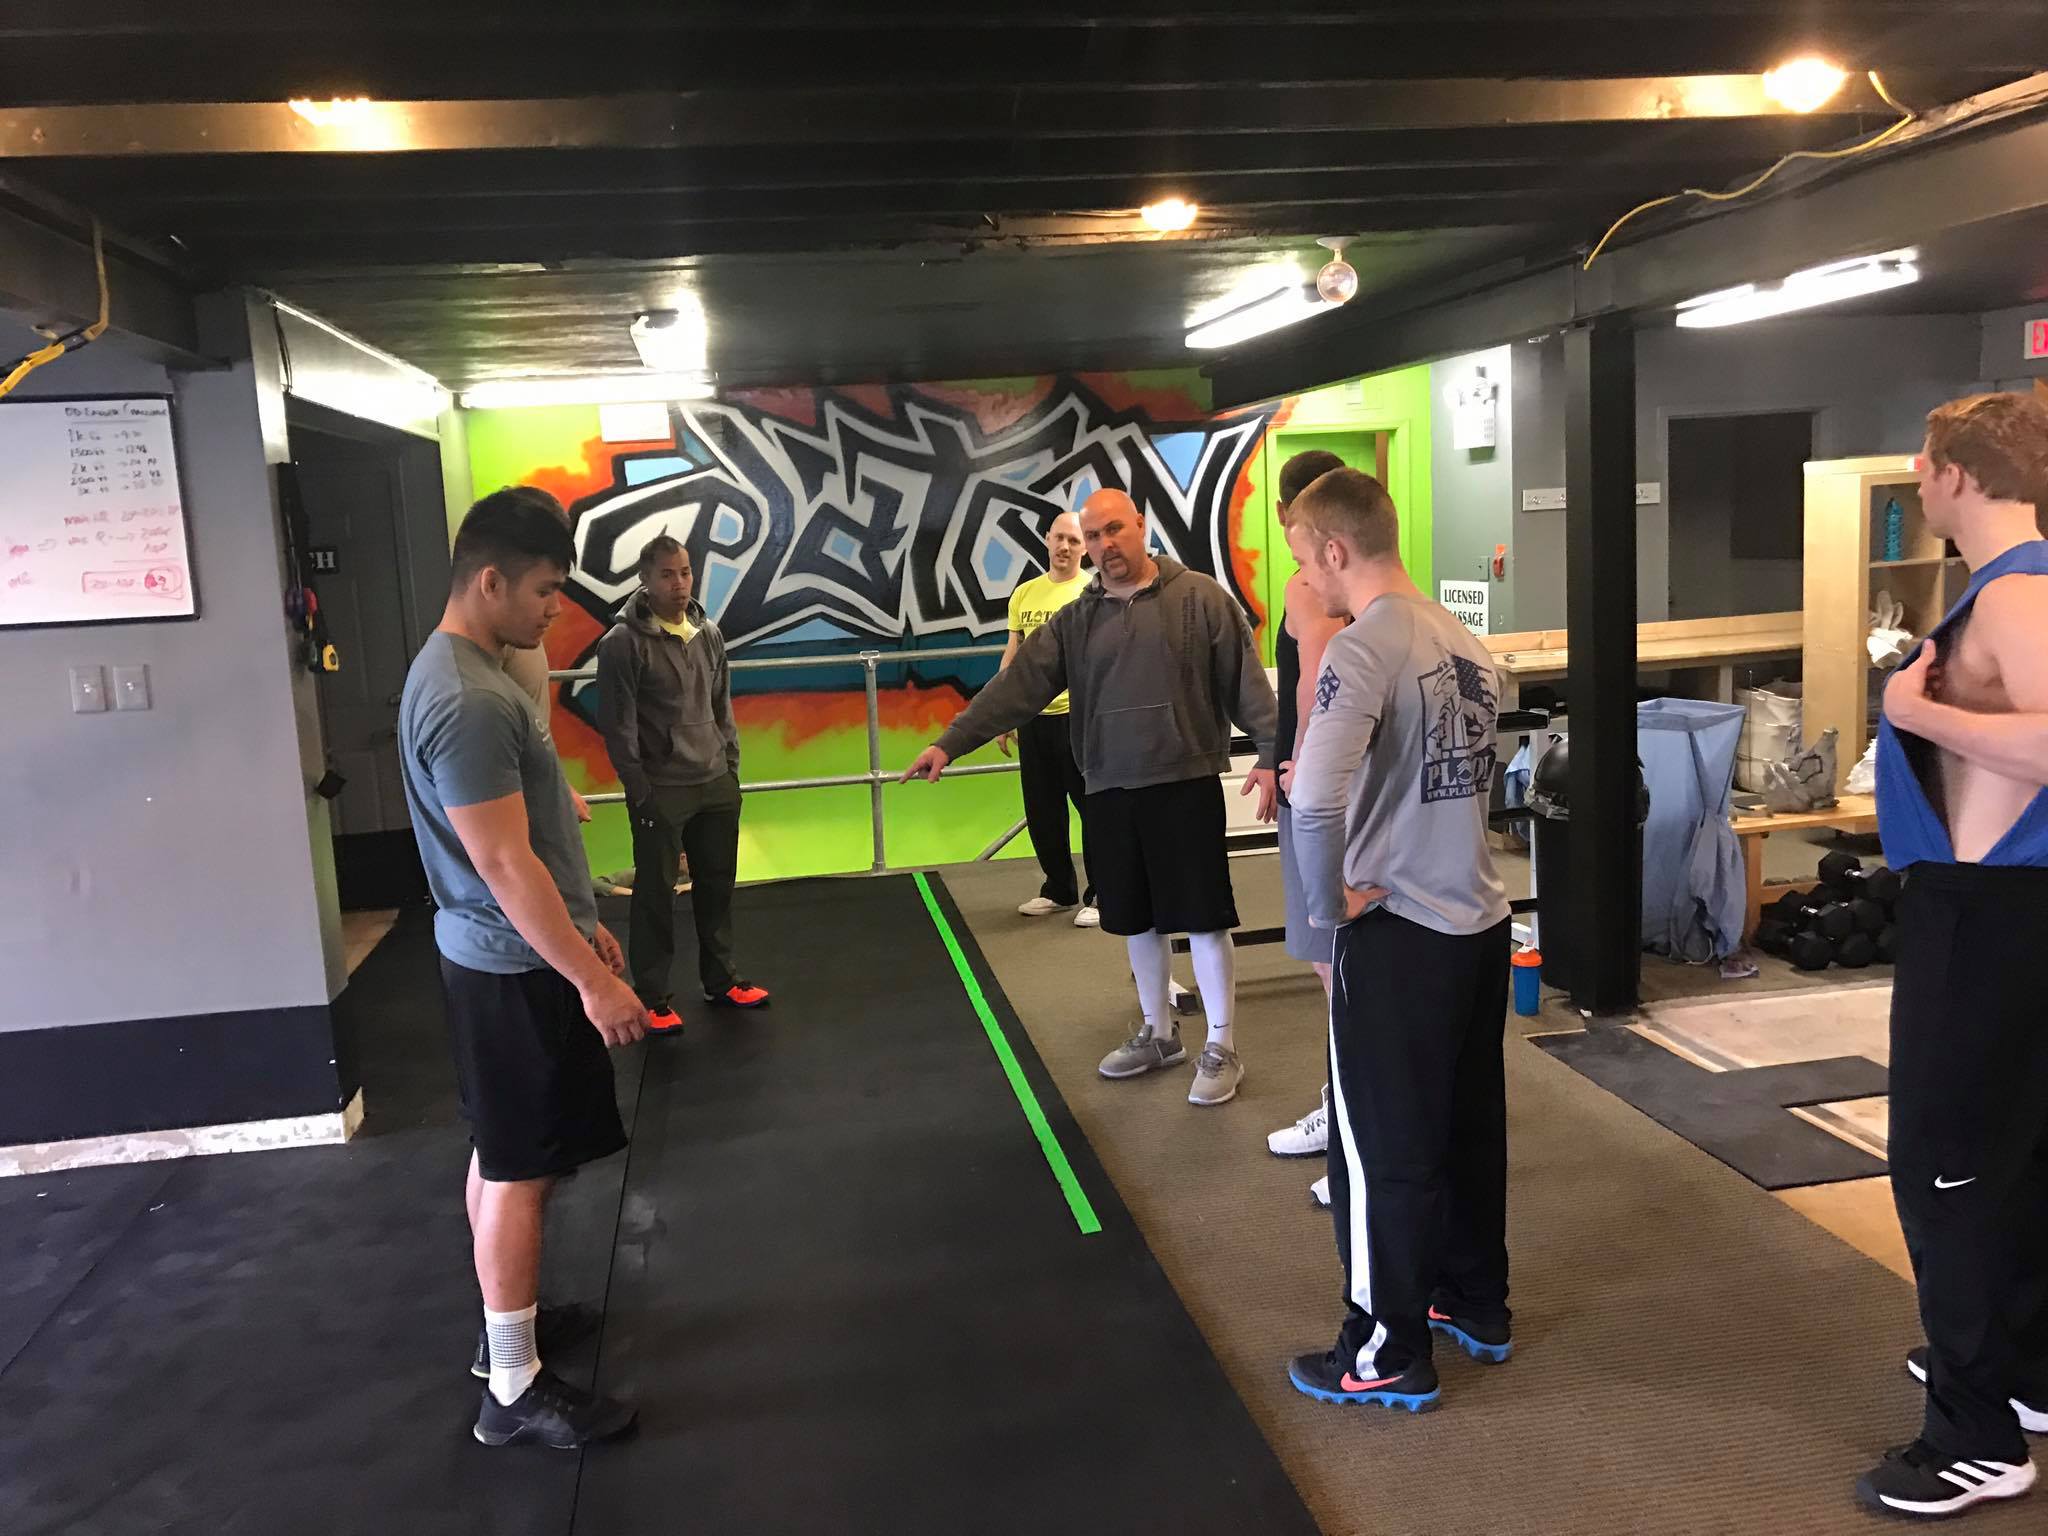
(1770, 734)
(1863, 777)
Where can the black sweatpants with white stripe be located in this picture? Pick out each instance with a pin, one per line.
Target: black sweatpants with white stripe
(1419, 1136)
(1969, 1144)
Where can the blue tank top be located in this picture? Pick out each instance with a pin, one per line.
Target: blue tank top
(1906, 819)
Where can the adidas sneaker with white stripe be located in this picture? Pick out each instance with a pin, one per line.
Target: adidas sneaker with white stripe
(1920, 1483)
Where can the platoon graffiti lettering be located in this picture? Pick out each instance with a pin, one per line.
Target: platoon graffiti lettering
(898, 527)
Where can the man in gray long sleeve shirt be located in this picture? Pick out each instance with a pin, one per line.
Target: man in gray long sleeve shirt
(1390, 809)
(1158, 662)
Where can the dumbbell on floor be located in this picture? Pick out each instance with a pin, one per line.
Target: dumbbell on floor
(1845, 872)
(1815, 912)
(1888, 945)
(1856, 952)
(1808, 951)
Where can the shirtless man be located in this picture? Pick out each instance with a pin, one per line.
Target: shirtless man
(1962, 764)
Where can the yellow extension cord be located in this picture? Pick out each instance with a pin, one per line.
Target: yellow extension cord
(57, 348)
(1906, 119)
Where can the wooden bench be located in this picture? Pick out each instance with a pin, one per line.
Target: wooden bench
(1704, 653)
(1850, 813)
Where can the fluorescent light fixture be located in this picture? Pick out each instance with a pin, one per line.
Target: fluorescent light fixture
(589, 389)
(673, 340)
(1830, 284)
(1286, 305)
(1803, 85)
(1170, 214)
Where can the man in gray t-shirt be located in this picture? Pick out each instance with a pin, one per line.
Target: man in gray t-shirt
(1390, 812)
(530, 977)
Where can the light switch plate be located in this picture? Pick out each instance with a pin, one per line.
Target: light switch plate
(131, 687)
(1649, 492)
(88, 690)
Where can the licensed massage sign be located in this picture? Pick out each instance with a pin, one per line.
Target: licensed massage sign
(1467, 602)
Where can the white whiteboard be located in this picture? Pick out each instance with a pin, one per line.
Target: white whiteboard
(92, 528)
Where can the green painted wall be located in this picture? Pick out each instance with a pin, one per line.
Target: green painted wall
(827, 831)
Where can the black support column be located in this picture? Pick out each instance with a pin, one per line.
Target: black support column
(1600, 613)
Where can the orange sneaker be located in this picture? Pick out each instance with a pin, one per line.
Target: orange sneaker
(664, 1021)
(741, 994)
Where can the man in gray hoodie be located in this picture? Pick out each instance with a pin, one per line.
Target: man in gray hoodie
(664, 703)
(1158, 662)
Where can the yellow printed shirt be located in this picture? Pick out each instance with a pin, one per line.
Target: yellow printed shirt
(682, 629)
(1037, 600)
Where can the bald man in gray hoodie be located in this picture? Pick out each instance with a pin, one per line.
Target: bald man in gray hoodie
(1158, 662)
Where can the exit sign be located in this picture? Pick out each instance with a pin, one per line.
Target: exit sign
(2037, 338)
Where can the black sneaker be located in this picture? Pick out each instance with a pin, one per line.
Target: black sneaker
(1328, 1379)
(1919, 1483)
(555, 1329)
(1489, 1343)
(554, 1413)
(2032, 1419)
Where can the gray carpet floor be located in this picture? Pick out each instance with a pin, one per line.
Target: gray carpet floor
(1692, 1355)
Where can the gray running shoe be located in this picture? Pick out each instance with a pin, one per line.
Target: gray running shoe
(1143, 1052)
(1217, 1074)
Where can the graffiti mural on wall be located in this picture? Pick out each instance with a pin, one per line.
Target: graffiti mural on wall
(901, 526)
(829, 521)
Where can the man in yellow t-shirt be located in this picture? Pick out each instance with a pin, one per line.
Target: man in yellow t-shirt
(1045, 751)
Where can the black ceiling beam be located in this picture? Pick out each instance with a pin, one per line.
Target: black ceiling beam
(250, 52)
(728, 117)
(1974, 177)
(260, 249)
(1238, 196)
(1682, 150)
(47, 278)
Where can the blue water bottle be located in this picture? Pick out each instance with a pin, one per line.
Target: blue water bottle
(1528, 967)
(1894, 530)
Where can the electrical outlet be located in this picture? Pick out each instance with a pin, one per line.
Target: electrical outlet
(88, 690)
(131, 687)
(1649, 493)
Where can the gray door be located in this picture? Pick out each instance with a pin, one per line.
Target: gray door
(352, 515)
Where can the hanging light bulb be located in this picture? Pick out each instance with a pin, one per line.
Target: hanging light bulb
(1170, 214)
(1337, 283)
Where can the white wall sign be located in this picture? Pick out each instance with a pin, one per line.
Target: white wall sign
(1649, 492)
(1467, 602)
(640, 422)
(1473, 421)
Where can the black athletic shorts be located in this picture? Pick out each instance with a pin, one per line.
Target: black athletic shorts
(534, 1073)
(1157, 857)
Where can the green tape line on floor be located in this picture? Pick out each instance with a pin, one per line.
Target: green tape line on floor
(1077, 1200)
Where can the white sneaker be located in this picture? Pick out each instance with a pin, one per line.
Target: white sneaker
(1043, 906)
(1307, 1137)
(1319, 1192)
(1088, 917)
(1217, 1074)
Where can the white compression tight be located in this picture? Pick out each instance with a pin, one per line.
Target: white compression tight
(1216, 976)
(1152, 967)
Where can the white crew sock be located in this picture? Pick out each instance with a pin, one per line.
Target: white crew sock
(1216, 977)
(1152, 969)
(515, 1357)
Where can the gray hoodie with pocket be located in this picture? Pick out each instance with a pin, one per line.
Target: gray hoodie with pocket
(665, 707)
(1156, 680)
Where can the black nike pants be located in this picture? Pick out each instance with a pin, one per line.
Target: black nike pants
(1969, 1144)
(1419, 1133)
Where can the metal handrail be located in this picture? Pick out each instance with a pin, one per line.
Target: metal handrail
(875, 778)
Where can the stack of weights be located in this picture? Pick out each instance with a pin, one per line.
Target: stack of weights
(1850, 919)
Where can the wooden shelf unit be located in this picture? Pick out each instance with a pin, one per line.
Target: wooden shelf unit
(1845, 518)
